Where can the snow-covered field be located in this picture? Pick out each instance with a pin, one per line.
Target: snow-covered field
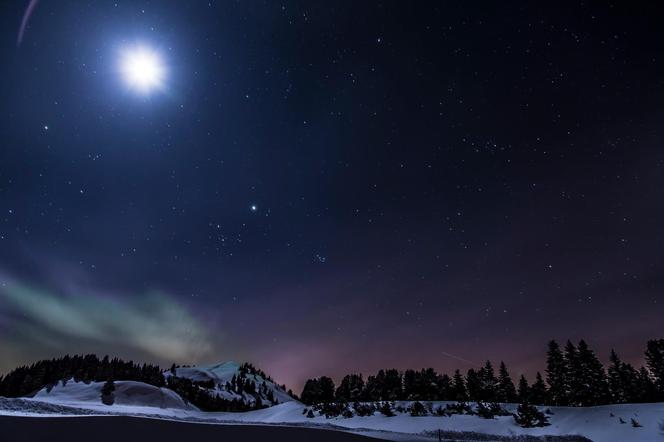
(138, 399)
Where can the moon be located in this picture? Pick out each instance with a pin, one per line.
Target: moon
(143, 69)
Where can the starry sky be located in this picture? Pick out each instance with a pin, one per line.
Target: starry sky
(330, 187)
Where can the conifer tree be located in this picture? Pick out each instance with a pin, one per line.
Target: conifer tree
(623, 381)
(473, 385)
(372, 388)
(488, 383)
(630, 378)
(572, 375)
(327, 389)
(591, 377)
(555, 374)
(428, 385)
(655, 361)
(393, 385)
(459, 392)
(411, 385)
(528, 416)
(523, 391)
(505, 391)
(615, 379)
(645, 387)
(350, 389)
(386, 385)
(444, 388)
(311, 393)
(538, 392)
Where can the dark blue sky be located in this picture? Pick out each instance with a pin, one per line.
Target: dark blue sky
(433, 182)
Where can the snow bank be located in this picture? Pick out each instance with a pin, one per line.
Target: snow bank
(126, 393)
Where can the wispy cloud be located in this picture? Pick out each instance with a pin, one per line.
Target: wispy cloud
(153, 324)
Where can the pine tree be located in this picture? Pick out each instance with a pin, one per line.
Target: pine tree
(655, 361)
(505, 391)
(623, 381)
(350, 389)
(444, 388)
(591, 381)
(616, 387)
(259, 403)
(410, 385)
(538, 391)
(327, 389)
(488, 383)
(529, 416)
(573, 377)
(384, 386)
(428, 386)
(386, 409)
(555, 374)
(523, 392)
(646, 391)
(630, 378)
(393, 385)
(473, 385)
(459, 392)
(311, 392)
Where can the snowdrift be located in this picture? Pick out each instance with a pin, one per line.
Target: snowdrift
(126, 393)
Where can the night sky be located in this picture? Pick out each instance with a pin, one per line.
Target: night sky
(333, 186)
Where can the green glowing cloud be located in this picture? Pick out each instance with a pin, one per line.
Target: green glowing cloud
(154, 324)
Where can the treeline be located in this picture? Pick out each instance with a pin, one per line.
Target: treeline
(574, 377)
(29, 379)
(202, 395)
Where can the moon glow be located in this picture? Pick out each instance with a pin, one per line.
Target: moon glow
(143, 69)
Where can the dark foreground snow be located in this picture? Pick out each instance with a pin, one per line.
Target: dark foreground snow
(133, 429)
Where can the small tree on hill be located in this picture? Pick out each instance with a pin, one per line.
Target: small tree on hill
(528, 416)
(107, 395)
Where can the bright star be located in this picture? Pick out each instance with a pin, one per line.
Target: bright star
(143, 69)
(254, 208)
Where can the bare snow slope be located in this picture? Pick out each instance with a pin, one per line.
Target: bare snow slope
(223, 373)
(126, 393)
(599, 424)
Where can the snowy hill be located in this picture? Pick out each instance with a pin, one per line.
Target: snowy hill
(231, 380)
(126, 393)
